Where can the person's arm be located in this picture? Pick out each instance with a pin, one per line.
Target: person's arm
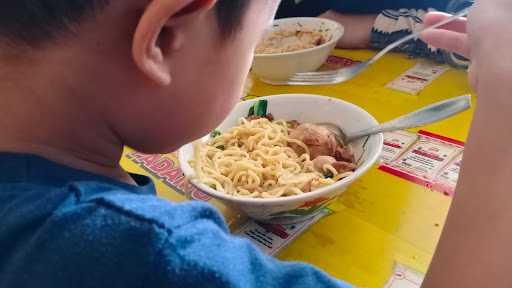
(393, 25)
(378, 31)
(372, 26)
(201, 254)
(475, 248)
(127, 238)
(357, 29)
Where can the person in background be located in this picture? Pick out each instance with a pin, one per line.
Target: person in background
(474, 249)
(376, 24)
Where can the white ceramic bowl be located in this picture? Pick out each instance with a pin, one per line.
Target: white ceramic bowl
(304, 108)
(281, 66)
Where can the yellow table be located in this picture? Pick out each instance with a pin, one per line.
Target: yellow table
(381, 218)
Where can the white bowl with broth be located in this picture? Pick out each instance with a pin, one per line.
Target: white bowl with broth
(279, 66)
(304, 108)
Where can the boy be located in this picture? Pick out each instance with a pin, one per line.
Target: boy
(72, 75)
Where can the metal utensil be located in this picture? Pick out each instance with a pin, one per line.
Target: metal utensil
(428, 115)
(344, 74)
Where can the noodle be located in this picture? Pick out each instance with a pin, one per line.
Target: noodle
(254, 160)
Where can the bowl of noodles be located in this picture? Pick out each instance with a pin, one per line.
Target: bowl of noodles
(295, 45)
(271, 160)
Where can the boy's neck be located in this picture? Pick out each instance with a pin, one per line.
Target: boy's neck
(45, 115)
(75, 158)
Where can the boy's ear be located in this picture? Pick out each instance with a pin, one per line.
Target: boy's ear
(156, 35)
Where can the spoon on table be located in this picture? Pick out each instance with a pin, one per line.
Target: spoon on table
(428, 115)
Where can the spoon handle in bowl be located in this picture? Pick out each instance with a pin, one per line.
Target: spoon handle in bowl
(428, 115)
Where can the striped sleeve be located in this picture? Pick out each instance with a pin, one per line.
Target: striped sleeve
(392, 25)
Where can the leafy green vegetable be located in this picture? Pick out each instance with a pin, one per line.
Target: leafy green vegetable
(215, 134)
(251, 111)
(259, 109)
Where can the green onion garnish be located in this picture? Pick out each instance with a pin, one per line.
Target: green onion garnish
(259, 109)
(215, 134)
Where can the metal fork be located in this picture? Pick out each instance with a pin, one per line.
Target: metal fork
(344, 74)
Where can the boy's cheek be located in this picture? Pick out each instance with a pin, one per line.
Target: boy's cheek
(220, 104)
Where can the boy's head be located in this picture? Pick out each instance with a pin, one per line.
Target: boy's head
(151, 74)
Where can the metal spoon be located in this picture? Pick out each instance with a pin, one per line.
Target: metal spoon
(428, 115)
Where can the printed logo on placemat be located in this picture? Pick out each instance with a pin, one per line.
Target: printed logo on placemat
(166, 169)
(417, 78)
(337, 62)
(426, 159)
(272, 238)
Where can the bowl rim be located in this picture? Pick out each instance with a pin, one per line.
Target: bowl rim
(367, 165)
(334, 39)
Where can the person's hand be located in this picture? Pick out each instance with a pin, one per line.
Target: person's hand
(484, 38)
(482, 199)
(358, 29)
(452, 37)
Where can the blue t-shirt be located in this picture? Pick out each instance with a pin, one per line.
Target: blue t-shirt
(62, 227)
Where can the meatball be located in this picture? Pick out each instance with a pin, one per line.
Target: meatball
(344, 154)
(319, 140)
(343, 167)
(320, 161)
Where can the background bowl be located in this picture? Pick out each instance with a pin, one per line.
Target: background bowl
(304, 108)
(281, 66)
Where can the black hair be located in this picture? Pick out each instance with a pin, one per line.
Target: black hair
(229, 14)
(34, 22)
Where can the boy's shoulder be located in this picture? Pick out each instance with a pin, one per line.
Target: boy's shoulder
(61, 230)
(36, 191)
(122, 216)
(142, 209)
